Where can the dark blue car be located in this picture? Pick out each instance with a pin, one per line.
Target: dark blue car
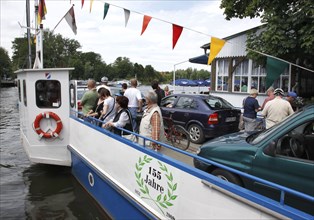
(203, 116)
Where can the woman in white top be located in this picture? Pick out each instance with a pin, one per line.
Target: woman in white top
(108, 111)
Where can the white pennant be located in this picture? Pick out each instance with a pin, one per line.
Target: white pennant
(126, 16)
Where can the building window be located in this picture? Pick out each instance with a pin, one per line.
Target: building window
(240, 80)
(258, 80)
(48, 93)
(283, 81)
(222, 79)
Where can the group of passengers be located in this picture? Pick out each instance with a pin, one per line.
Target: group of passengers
(121, 112)
(274, 109)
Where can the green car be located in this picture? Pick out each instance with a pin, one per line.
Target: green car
(282, 154)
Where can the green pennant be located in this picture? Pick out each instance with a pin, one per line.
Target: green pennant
(106, 9)
(274, 68)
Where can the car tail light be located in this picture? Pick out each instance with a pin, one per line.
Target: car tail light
(213, 119)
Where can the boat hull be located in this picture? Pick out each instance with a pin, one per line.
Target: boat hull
(116, 202)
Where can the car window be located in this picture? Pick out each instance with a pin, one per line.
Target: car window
(217, 103)
(298, 143)
(168, 101)
(185, 102)
(257, 137)
(80, 93)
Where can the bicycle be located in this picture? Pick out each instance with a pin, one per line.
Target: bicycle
(176, 134)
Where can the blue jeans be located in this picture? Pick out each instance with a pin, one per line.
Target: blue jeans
(133, 111)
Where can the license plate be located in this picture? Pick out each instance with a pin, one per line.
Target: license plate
(230, 119)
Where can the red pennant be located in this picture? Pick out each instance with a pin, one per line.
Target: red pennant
(146, 21)
(82, 3)
(176, 33)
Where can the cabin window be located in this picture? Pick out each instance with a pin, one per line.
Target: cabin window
(48, 93)
(72, 96)
(258, 78)
(222, 79)
(19, 89)
(24, 92)
(240, 81)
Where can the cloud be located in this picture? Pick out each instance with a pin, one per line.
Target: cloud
(111, 39)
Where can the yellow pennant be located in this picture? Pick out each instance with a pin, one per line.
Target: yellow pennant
(216, 45)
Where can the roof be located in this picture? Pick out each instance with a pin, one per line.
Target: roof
(207, 46)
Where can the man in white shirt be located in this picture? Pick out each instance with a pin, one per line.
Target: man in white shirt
(277, 109)
(135, 101)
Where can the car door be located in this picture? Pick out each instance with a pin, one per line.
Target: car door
(291, 166)
(185, 110)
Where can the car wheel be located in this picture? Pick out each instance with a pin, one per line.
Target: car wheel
(227, 176)
(196, 134)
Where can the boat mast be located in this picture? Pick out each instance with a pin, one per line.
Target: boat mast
(28, 34)
(39, 62)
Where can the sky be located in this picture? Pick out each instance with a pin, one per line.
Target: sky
(201, 20)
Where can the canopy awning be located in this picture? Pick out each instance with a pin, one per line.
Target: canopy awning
(203, 59)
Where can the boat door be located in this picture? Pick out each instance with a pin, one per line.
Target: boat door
(77, 90)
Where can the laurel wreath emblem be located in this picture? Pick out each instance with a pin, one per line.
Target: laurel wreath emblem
(160, 200)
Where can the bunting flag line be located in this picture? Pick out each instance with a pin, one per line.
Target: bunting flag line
(82, 3)
(90, 6)
(106, 8)
(146, 21)
(42, 11)
(126, 16)
(274, 68)
(216, 45)
(176, 33)
(70, 18)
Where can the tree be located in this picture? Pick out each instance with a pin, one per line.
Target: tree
(123, 68)
(5, 64)
(57, 51)
(289, 29)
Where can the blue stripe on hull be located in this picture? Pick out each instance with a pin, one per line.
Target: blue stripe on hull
(116, 205)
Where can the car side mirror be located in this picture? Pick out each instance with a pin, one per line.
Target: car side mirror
(270, 150)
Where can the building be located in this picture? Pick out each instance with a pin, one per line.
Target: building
(233, 74)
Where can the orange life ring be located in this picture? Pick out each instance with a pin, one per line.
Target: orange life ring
(40, 132)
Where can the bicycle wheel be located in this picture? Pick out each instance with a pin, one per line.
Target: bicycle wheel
(179, 137)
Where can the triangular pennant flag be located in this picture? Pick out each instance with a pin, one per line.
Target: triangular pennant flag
(146, 21)
(176, 32)
(42, 11)
(90, 6)
(70, 18)
(274, 68)
(82, 3)
(126, 16)
(216, 45)
(106, 8)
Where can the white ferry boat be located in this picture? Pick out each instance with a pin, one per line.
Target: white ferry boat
(127, 179)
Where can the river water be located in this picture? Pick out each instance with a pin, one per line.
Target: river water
(34, 191)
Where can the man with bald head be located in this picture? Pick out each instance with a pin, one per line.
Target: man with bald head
(90, 97)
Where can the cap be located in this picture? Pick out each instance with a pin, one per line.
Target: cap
(104, 79)
(292, 94)
(279, 91)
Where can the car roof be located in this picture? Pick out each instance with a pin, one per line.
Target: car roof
(202, 96)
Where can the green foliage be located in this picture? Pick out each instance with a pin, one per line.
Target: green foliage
(62, 52)
(289, 33)
(5, 64)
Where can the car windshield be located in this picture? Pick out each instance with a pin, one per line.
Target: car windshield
(257, 137)
(217, 103)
